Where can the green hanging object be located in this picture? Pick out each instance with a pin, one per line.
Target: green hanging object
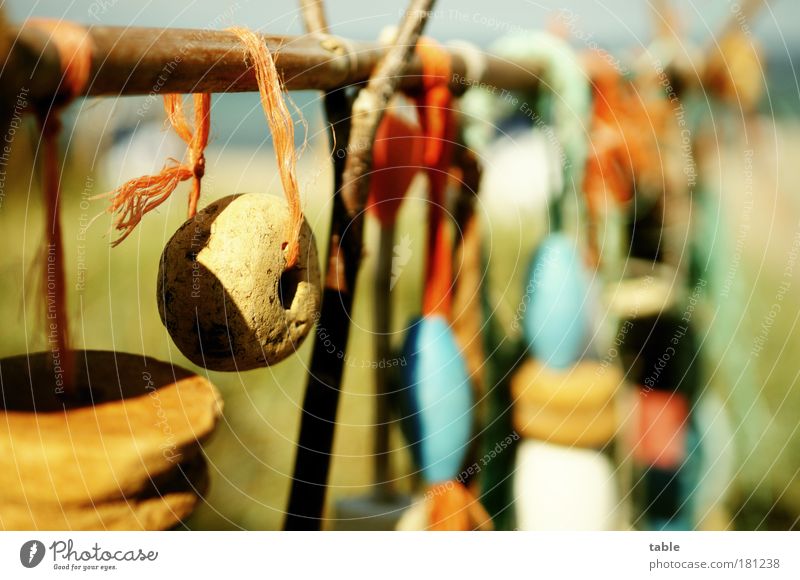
(504, 353)
(560, 111)
(725, 344)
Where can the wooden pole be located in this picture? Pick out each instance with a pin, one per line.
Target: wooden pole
(312, 463)
(382, 352)
(143, 61)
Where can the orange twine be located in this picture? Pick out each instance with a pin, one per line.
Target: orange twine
(74, 48)
(138, 196)
(438, 126)
(453, 508)
(282, 128)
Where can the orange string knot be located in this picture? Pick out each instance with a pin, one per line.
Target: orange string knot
(133, 199)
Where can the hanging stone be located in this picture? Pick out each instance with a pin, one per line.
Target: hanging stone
(437, 399)
(556, 303)
(224, 292)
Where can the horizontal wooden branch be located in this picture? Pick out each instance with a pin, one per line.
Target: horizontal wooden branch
(142, 61)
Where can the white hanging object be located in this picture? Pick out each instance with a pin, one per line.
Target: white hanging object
(564, 488)
(521, 174)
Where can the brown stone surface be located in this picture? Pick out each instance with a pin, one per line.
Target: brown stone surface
(221, 279)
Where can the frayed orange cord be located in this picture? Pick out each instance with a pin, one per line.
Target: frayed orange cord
(130, 201)
(74, 47)
(439, 130)
(282, 127)
(453, 508)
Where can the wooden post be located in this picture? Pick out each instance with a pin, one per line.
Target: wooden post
(307, 497)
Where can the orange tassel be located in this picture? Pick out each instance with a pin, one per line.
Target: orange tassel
(133, 199)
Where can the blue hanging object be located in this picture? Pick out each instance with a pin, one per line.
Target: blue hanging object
(556, 318)
(437, 400)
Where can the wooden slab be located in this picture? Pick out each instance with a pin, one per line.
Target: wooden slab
(138, 418)
(160, 507)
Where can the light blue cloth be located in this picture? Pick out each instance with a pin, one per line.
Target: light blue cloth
(557, 303)
(439, 399)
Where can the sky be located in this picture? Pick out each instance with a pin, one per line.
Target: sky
(612, 23)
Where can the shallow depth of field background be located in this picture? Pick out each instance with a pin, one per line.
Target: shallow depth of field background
(251, 456)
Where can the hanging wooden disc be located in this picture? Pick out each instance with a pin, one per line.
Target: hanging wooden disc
(574, 407)
(588, 385)
(126, 450)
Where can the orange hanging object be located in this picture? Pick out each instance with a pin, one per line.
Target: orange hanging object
(75, 54)
(138, 196)
(396, 159)
(439, 128)
(624, 149)
(453, 508)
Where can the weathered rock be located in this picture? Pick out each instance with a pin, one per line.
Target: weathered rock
(224, 293)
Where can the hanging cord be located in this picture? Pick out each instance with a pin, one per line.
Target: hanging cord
(282, 128)
(438, 126)
(74, 48)
(132, 200)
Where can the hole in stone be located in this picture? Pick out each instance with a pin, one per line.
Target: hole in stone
(287, 286)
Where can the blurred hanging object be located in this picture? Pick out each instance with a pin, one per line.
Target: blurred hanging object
(438, 396)
(662, 437)
(623, 156)
(132, 200)
(564, 404)
(396, 160)
(555, 322)
(74, 48)
(734, 71)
